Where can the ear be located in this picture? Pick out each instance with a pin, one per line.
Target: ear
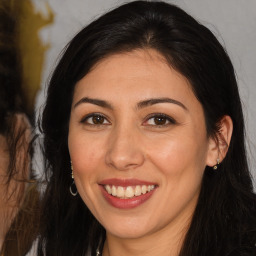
(219, 143)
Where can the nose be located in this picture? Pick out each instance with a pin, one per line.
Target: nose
(124, 149)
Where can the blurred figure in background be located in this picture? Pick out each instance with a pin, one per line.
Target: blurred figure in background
(18, 193)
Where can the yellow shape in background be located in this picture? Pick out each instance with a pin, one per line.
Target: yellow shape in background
(32, 49)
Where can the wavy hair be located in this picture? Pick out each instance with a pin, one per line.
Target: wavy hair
(224, 221)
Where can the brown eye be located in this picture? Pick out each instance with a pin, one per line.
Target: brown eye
(98, 119)
(95, 119)
(160, 120)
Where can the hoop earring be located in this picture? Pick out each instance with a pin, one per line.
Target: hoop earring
(72, 188)
(73, 193)
(215, 167)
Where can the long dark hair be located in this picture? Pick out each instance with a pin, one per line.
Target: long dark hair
(224, 222)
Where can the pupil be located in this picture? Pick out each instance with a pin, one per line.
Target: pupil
(160, 120)
(98, 120)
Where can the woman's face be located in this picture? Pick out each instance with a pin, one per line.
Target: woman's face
(138, 144)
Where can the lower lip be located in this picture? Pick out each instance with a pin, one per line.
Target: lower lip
(126, 203)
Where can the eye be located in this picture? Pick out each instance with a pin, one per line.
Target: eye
(95, 119)
(159, 120)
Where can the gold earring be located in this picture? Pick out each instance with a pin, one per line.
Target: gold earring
(72, 188)
(72, 174)
(215, 167)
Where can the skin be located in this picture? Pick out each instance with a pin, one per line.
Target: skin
(129, 144)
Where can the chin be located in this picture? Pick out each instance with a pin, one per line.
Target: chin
(128, 229)
(128, 233)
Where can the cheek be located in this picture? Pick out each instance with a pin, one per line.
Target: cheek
(84, 159)
(85, 153)
(178, 155)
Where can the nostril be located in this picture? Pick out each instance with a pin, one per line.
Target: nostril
(124, 160)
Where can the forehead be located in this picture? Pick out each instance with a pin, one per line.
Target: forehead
(140, 72)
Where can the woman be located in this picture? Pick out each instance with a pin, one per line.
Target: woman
(18, 199)
(144, 142)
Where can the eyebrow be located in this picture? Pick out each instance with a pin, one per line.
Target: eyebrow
(101, 103)
(141, 104)
(150, 102)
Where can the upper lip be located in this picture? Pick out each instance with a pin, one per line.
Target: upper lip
(125, 182)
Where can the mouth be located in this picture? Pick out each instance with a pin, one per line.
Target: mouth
(128, 192)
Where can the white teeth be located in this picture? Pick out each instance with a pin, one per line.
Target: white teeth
(120, 192)
(128, 192)
(113, 192)
(151, 187)
(137, 190)
(108, 188)
(144, 189)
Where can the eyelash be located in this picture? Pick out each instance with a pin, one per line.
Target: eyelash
(167, 118)
(151, 116)
(87, 117)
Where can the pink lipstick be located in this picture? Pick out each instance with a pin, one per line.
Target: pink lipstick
(127, 193)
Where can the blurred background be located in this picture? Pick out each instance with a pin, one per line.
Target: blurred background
(46, 26)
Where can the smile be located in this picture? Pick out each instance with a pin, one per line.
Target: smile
(129, 191)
